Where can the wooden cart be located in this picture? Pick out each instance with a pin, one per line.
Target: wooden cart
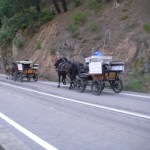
(101, 71)
(26, 69)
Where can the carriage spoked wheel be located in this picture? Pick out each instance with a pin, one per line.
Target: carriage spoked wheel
(15, 76)
(116, 85)
(96, 87)
(28, 78)
(80, 86)
(73, 83)
(21, 78)
(103, 85)
(35, 77)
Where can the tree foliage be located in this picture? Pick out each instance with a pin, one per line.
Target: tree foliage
(16, 14)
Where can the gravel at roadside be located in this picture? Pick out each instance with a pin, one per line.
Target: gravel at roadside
(9, 141)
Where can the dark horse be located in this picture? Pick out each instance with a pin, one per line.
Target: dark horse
(60, 66)
(65, 68)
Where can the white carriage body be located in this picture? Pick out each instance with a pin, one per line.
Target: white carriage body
(96, 64)
(95, 68)
(103, 59)
(35, 66)
(117, 66)
(22, 65)
(24, 62)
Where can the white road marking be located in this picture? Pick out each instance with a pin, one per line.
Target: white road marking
(135, 114)
(128, 94)
(29, 134)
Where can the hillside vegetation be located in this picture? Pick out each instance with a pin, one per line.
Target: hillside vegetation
(119, 29)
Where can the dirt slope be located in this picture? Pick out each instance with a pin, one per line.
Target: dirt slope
(118, 29)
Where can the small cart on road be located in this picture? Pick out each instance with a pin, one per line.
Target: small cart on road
(101, 70)
(26, 69)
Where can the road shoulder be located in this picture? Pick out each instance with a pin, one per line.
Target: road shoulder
(9, 141)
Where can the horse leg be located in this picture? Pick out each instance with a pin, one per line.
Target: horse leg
(64, 79)
(58, 81)
(71, 85)
(72, 81)
(7, 75)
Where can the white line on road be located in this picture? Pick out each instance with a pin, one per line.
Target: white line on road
(128, 94)
(135, 114)
(29, 134)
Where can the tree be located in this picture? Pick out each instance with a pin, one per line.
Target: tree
(37, 5)
(64, 5)
(56, 6)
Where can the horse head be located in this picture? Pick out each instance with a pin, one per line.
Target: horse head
(58, 62)
(61, 60)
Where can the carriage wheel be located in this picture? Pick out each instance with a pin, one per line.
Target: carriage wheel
(96, 87)
(80, 85)
(103, 85)
(21, 78)
(28, 78)
(116, 85)
(35, 77)
(15, 76)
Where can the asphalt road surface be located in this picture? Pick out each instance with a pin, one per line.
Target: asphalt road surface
(42, 116)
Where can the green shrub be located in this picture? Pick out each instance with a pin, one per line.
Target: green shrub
(37, 45)
(53, 50)
(125, 17)
(77, 3)
(75, 35)
(19, 42)
(6, 34)
(134, 85)
(94, 4)
(78, 18)
(45, 16)
(11, 25)
(146, 27)
(93, 26)
(73, 28)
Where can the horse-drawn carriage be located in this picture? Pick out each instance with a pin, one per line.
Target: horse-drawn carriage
(101, 70)
(25, 69)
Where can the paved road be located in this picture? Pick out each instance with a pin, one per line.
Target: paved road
(41, 116)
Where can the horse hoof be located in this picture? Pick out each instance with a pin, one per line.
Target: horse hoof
(58, 86)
